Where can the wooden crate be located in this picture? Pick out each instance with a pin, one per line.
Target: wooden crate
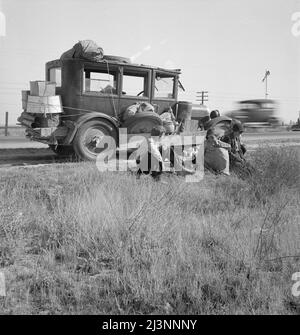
(42, 88)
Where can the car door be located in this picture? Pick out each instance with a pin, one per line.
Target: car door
(100, 88)
(164, 90)
(135, 86)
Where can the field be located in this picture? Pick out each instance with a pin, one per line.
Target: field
(77, 241)
(13, 131)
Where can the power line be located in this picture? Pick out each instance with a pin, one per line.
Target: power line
(202, 96)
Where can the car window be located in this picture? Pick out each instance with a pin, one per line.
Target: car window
(100, 81)
(135, 84)
(249, 106)
(55, 75)
(267, 105)
(164, 85)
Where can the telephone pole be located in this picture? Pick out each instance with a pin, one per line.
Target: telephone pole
(6, 124)
(202, 96)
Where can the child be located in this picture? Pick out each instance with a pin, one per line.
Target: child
(149, 158)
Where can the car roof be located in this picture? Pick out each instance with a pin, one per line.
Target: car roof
(257, 101)
(57, 62)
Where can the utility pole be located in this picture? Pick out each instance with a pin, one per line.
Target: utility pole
(265, 79)
(202, 96)
(6, 123)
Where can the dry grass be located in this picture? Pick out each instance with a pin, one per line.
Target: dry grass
(73, 240)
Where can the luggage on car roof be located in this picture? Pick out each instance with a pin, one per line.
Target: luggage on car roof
(86, 49)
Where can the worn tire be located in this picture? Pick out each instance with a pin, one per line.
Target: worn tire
(83, 143)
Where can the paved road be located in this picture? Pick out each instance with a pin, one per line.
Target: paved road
(290, 136)
(18, 151)
(10, 142)
(287, 135)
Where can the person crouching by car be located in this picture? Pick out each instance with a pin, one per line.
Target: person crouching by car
(238, 163)
(150, 157)
(233, 137)
(216, 156)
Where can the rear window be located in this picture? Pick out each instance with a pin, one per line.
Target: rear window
(100, 81)
(55, 75)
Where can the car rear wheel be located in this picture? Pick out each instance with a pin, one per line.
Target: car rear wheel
(94, 137)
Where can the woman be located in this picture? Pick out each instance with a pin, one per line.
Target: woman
(216, 156)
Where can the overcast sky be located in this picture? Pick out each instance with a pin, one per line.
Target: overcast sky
(222, 46)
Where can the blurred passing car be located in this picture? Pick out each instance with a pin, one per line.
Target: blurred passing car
(256, 113)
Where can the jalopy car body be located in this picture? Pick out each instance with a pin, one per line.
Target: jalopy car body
(94, 97)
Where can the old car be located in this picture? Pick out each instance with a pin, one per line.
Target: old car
(256, 112)
(94, 98)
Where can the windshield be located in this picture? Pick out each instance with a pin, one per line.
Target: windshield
(257, 105)
(164, 85)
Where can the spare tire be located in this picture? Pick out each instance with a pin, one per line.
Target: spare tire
(117, 59)
(142, 123)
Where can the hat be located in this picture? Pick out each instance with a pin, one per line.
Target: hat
(215, 113)
(237, 126)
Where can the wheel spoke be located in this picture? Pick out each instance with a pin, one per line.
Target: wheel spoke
(92, 140)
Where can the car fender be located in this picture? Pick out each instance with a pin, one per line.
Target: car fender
(74, 125)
